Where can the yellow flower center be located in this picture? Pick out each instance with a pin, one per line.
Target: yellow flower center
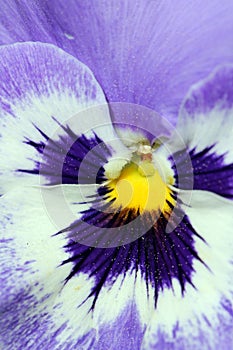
(140, 187)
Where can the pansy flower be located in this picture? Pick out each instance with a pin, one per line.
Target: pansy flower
(116, 174)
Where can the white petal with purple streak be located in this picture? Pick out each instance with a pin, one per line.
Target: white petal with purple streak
(205, 126)
(41, 87)
(182, 322)
(37, 307)
(206, 115)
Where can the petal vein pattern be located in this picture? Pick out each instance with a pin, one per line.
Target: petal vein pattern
(139, 51)
(41, 88)
(130, 228)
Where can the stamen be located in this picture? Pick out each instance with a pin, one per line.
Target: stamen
(145, 167)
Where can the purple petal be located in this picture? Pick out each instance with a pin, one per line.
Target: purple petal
(147, 53)
(42, 89)
(206, 125)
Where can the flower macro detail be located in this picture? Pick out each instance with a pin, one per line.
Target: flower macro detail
(139, 185)
(116, 175)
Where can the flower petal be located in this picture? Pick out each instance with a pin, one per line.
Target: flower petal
(68, 293)
(147, 53)
(41, 91)
(30, 278)
(70, 288)
(194, 319)
(206, 126)
(38, 306)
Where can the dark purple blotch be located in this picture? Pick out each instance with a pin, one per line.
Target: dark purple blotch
(62, 159)
(209, 170)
